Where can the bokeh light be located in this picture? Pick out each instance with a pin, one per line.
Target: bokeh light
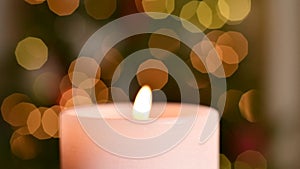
(225, 70)
(74, 97)
(31, 53)
(57, 110)
(207, 9)
(63, 7)
(234, 10)
(212, 61)
(222, 52)
(204, 14)
(34, 2)
(102, 93)
(249, 105)
(213, 35)
(227, 54)
(165, 42)
(204, 47)
(65, 84)
(197, 62)
(224, 162)
(40, 132)
(34, 121)
(237, 41)
(19, 114)
(10, 102)
(100, 9)
(189, 13)
(164, 7)
(83, 76)
(250, 159)
(50, 121)
(23, 145)
(19, 132)
(152, 68)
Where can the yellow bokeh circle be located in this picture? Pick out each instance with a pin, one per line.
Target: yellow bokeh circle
(31, 53)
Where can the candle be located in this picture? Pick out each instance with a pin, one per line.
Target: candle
(85, 142)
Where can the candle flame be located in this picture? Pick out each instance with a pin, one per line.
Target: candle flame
(142, 104)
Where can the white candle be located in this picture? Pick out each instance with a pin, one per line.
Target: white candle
(81, 151)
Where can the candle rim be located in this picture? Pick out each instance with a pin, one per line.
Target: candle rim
(114, 115)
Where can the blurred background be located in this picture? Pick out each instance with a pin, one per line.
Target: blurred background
(257, 42)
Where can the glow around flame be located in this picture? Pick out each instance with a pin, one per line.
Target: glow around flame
(142, 104)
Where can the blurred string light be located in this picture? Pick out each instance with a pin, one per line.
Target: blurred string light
(208, 8)
(34, 120)
(10, 102)
(19, 132)
(165, 42)
(152, 68)
(234, 10)
(31, 53)
(206, 14)
(203, 47)
(83, 76)
(227, 54)
(63, 7)
(164, 7)
(20, 113)
(250, 159)
(102, 92)
(34, 2)
(65, 84)
(213, 36)
(23, 145)
(229, 47)
(100, 9)
(224, 162)
(248, 105)
(212, 61)
(239, 104)
(189, 13)
(236, 41)
(74, 97)
(50, 121)
(229, 70)
(30, 123)
(40, 133)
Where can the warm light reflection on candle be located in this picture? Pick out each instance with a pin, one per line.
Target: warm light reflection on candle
(142, 104)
